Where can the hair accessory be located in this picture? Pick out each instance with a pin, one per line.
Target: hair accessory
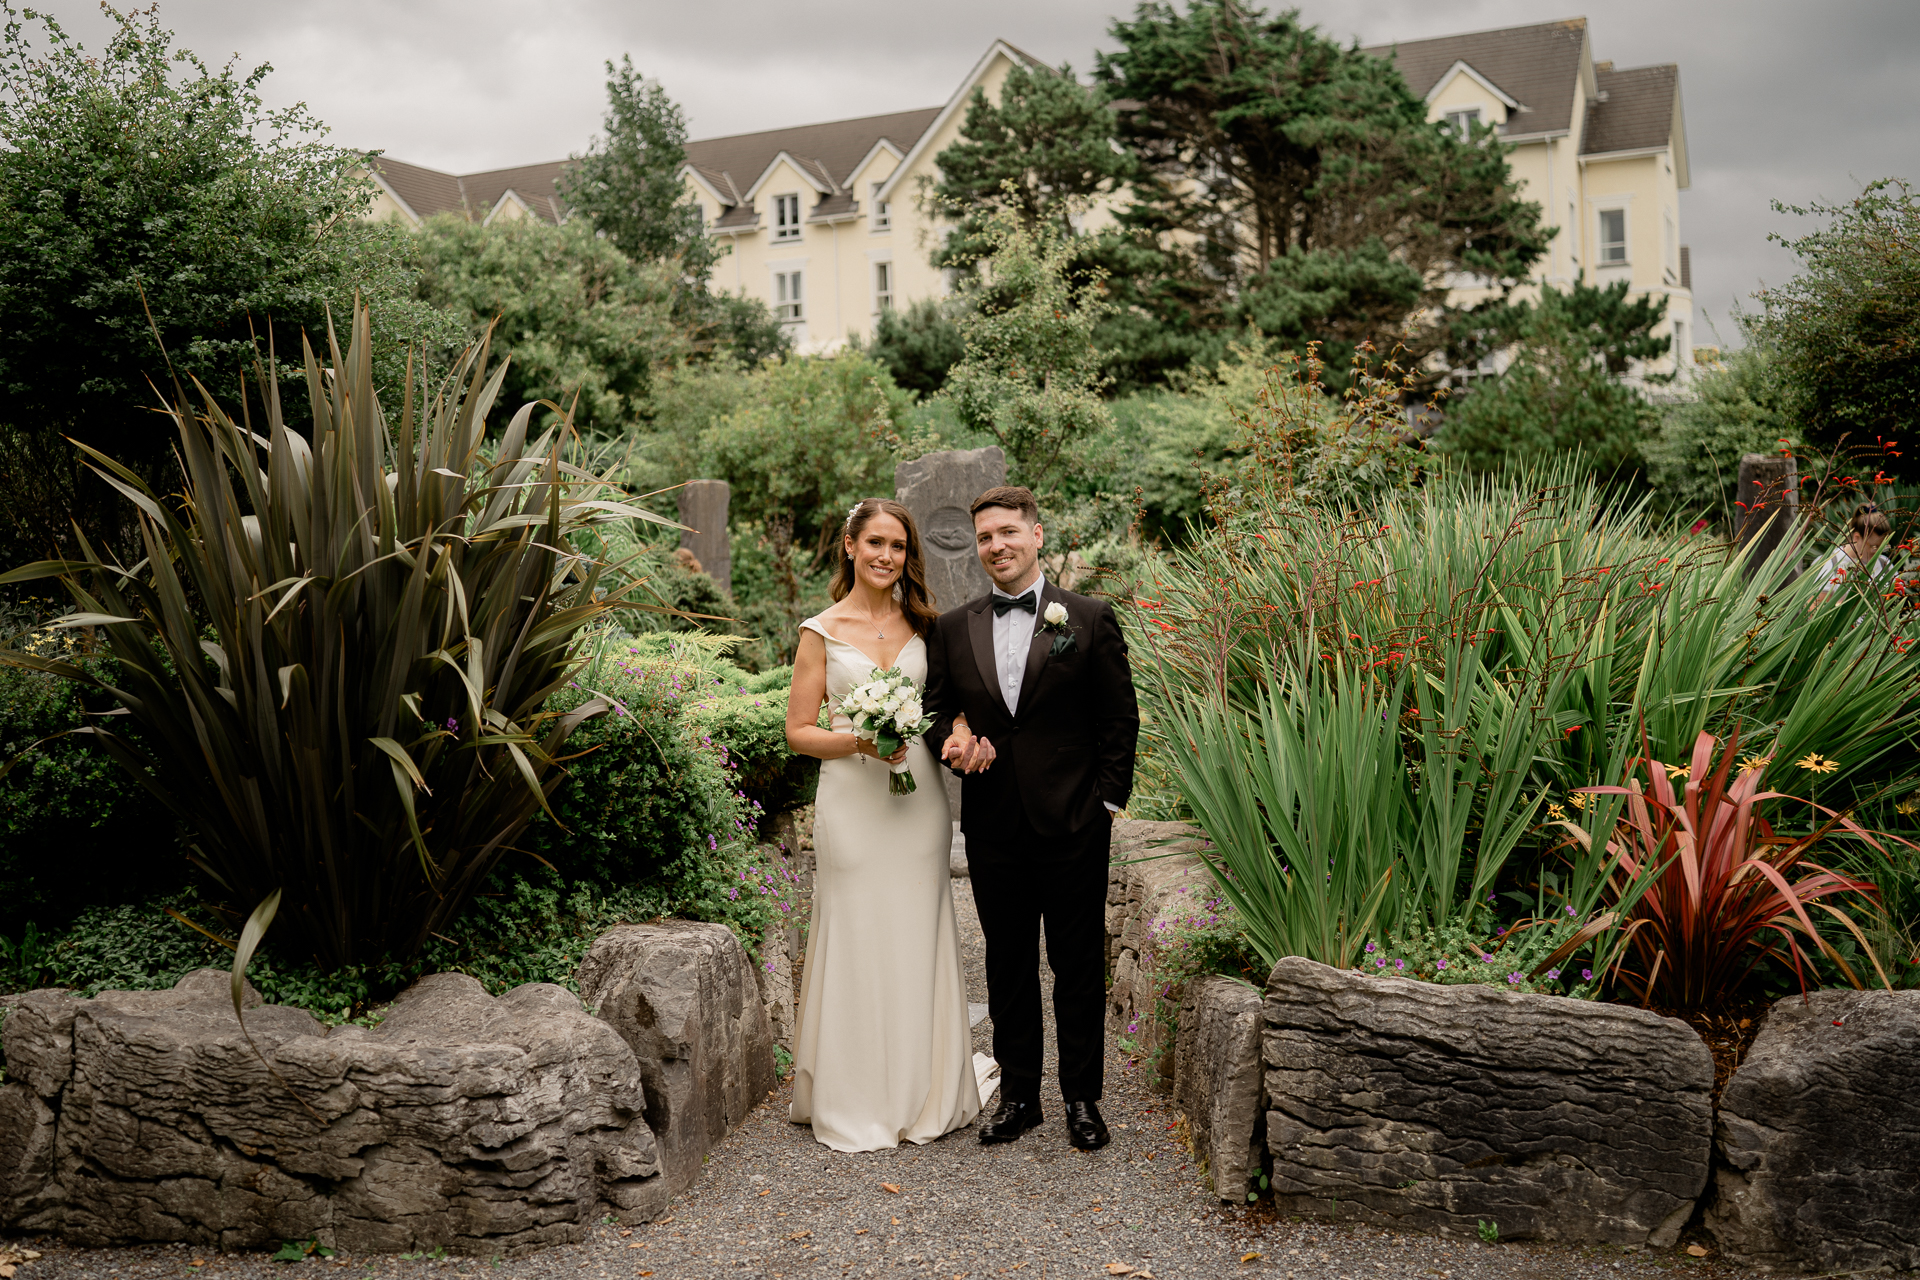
(853, 511)
(1871, 508)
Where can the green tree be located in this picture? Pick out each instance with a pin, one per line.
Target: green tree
(628, 181)
(1615, 328)
(1693, 461)
(1290, 181)
(1847, 328)
(919, 345)
(1042, 153)
(575, 315)
(142, 191)
(1032, 375)
(1555, 398)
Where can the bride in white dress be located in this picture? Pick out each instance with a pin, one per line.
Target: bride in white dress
(885, 1053)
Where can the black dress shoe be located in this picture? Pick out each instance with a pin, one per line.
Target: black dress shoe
(1085, 1129)
(1009, 1121)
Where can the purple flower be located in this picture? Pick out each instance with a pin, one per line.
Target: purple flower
(1513, 979)
(1586, 975)
(1443, 964)
(1500, 932)
(453, 726)
(1570, 911)
(1379, 964)
(1369, 948)
(1401, 965)
(1553, 973)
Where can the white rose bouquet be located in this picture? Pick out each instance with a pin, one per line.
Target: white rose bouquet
(887, 712)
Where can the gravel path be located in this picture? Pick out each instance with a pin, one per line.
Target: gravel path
(773, 1203)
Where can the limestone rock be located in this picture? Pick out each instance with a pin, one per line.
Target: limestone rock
(1139, 893)
(683, 996)
(1417, 1105)
(1218, 1081)
(461, 1121)
(1820, 1134)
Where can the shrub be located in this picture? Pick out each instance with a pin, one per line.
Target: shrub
(1693, 460)
(360, 639)
(1473, 951)
(66, 804)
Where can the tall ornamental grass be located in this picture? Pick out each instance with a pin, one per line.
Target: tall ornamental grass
(340, 646)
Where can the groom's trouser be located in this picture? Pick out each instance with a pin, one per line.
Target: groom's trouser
(1020, 885)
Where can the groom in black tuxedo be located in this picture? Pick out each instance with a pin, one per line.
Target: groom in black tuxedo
(1033, 706)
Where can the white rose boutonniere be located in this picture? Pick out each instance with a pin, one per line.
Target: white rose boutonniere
(1054, 618)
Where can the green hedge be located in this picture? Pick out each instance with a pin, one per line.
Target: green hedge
(75, 830)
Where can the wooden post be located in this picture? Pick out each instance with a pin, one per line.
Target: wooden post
(1769, 510)
(703, 507)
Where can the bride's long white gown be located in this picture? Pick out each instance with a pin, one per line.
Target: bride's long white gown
(885, 1053)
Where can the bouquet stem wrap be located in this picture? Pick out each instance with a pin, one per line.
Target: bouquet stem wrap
(887, 711)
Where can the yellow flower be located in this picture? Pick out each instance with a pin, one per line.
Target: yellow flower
(1555, 812)
(1679, 771)
(1907, 807)
(1578, 801)
(1813, 762)
(1755, 762)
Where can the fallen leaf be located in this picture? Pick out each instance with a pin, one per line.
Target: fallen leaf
(1697, 1251)
(636, 1245)
(646, 1273)
(1119, 1269)
(1144, 1274)
(661, 1222)
(896, 1222)
(6, 1271)
(767, 1192)
(799, 1235)
(891, 1188)
(1249, 1257)
(862, 1231)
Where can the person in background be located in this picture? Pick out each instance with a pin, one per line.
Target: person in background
(1860, 553)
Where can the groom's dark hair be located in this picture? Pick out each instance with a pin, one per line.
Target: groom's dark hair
(1011, 496)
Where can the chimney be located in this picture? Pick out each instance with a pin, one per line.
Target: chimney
(1604, 66)
(1686, 266)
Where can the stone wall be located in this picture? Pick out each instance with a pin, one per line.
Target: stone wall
(461, 1121)
(1413, 1105)
(1819, 1135)
(1146, 882)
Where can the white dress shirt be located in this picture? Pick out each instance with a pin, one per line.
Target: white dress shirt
(1012, 637)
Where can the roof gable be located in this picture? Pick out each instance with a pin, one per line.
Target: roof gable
(1539, 67)
(1466, 69)
(998, 49)
(827, 155)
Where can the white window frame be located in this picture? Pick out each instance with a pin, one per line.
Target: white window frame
(885, 285)
(1603, 257)
(1479, 113)
(881, 216)
(786, 216)
(789, 295)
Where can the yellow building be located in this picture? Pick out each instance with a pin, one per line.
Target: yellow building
(1602, 151)
(827, 224)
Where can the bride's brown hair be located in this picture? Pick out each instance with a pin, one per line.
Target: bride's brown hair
(916, 602)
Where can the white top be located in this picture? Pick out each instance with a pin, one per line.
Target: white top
(1837, 567)
(1012, 636)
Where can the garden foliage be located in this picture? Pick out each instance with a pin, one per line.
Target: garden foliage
(339, 649)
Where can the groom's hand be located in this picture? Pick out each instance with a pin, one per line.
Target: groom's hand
(968, 754)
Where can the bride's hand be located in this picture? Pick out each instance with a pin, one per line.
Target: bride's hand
(862, 747)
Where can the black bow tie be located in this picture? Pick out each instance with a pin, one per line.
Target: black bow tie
(1001, 604)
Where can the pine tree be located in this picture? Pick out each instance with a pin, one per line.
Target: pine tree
(1295, 184)
(1043, 153)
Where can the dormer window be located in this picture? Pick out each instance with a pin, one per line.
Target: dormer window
(786, 217)
(882, 210)
(1461, 123)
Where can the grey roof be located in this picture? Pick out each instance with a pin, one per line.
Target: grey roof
(828, 152)
(1538, 67)
(429, 191)
(1636, 109)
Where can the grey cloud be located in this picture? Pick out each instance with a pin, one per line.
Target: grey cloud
(1784, 100)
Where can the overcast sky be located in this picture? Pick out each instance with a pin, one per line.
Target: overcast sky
(1788, 101)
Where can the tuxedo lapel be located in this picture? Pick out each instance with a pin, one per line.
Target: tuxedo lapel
(1037, 649)
(980, 638)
